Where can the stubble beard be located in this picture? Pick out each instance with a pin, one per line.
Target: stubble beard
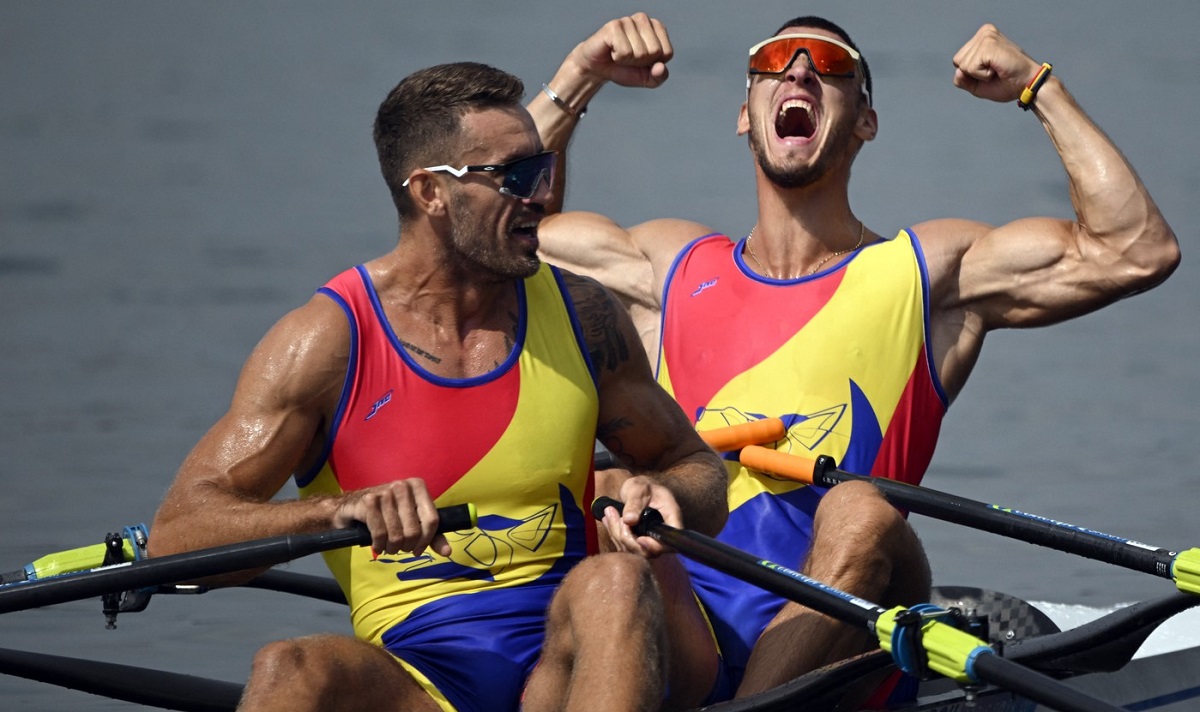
(836, 145)
(473, 250)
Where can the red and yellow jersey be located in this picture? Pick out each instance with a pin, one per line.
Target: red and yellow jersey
(517, 442)
(842, 357)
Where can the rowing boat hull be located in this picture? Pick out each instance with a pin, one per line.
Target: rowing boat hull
(1169, 682)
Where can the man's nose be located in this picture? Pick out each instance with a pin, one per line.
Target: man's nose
(801, 68)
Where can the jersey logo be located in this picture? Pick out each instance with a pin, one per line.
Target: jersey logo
(387, 398)
(482, 553)
(705, 285)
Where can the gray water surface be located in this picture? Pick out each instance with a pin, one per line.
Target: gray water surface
(174, 177)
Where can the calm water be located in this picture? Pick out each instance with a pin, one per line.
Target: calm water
(174, 177)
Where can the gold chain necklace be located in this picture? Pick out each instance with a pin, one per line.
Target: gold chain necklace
(862, 230)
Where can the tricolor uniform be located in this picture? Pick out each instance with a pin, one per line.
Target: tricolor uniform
(517, 442)
(842, 357)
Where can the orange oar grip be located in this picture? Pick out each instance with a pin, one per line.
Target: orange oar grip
(735, 437)
(780, 464)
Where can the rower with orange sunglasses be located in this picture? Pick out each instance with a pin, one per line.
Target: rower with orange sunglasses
(857, 341)
(827, 56)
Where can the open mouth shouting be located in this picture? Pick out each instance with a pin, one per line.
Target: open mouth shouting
(795, 120)
(526, 229)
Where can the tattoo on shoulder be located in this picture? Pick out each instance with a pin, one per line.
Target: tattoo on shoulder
(420, 351)
(598, 316)
(508, 335)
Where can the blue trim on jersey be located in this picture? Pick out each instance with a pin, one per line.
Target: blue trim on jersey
(766, 279)
(923, 268)
(303, 479)
(662, 300)
(418, 369)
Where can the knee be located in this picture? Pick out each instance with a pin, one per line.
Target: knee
(612, 573)
(857, 529)
(289, 662)
(859, 509)
(610, 583)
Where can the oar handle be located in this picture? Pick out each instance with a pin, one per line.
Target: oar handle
(736, 437)
(456, 518)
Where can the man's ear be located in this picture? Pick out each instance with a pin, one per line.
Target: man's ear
(743, 121)
(427, 194)
(868, 124)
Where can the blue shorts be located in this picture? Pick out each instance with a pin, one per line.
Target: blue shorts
(477, 649)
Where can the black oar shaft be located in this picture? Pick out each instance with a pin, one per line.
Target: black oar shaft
(175, 568)
(321, 588)
(843, 606)
(768, 575)
(200, 564)
(143, 686)
(764, 574)
(1038, 687)
(1007, 522)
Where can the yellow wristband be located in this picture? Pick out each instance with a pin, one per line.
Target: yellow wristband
(558, 101)
(1029, 93)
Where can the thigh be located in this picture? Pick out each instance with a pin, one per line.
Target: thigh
(619, 625)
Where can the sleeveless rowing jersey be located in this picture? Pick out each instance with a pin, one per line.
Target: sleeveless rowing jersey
(517, 442)
(842, 357)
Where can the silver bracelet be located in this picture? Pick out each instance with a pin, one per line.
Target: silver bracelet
(558, 101)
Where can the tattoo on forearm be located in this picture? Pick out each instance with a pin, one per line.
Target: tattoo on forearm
(597, 310)
(420, 351)
(609, 434)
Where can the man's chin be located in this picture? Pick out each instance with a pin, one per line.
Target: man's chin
(526, 268)
(793, 178)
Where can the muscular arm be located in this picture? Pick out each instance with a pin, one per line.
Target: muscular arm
(632, 263)
(1039, 271)
(630, 51)
(285, 395)
(641, 424)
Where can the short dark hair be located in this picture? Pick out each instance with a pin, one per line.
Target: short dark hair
(821, 23)
(420, 121)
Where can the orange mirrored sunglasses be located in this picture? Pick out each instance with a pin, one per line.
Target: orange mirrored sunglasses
(828, 56)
